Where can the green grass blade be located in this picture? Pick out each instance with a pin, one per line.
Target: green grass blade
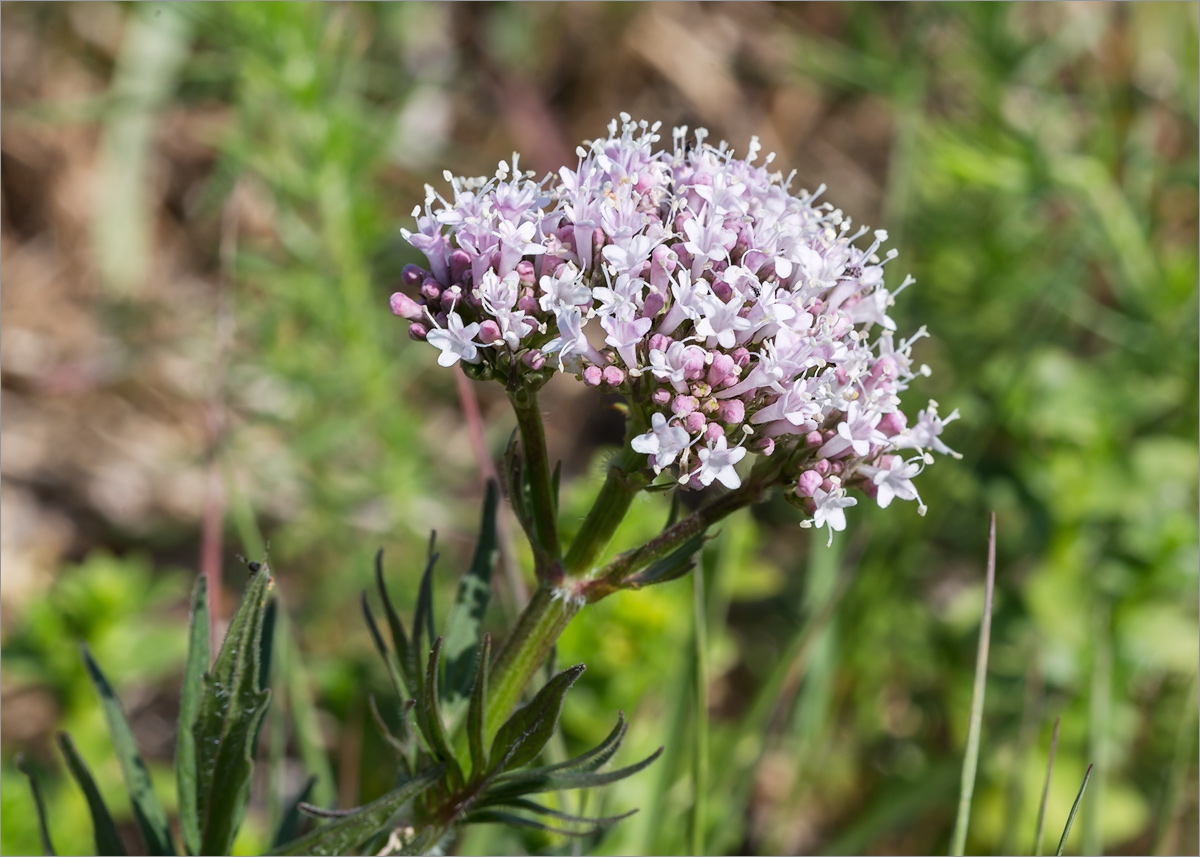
(1041, 818)
(108, 840)
(470, 605)
(1074, 809)
(189, 705)
(39, 805)
(971, 758)
(699, 713)
(147, 811)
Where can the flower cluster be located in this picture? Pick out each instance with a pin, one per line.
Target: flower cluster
(734, 314)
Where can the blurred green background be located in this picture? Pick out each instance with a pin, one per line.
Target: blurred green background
(201, 213)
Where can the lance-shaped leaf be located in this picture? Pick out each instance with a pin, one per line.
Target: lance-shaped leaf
(147, 811)
(226, 728)
(289, 825)
(422, 622)
(523, 735)
(518, 783)
(39, 806)
(671, 567)
(399, 638)
(470, 605)
(430, 721)
(346, 833)
(590, 760)
(495, 816)
(189, 706)
(108, 840)
(380, 645)
(595, 822)
(477, 712)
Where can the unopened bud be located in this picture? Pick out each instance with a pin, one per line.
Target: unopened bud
(613, 376)
(592, 376)
(406, 307)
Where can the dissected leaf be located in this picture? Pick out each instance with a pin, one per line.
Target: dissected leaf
(108, 840)
(147, 811)
(289, 825)
(345, 834)
(430, 720)
(399, 638)
(189, 705)
(226, 727)
(39, 806)
(526, 732)
(470, 605)
(477, 711)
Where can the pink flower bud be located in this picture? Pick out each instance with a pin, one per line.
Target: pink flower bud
(534, 359)
(658, 342)
(731, 411)
(684, 405)
(809, 482)
(460, 263)
(714, 431)
(431, 289)
(614, 376)
(660, 396)
(525, 272)
(412, 275)
(701, 390)
(764, 445)
(694, 422)
(813, 438)
(722, 290)
(822, 466)
(836, 468)
(406, 307)
(892, 424)
(709, 406)
(721, 366)
(741, 356)
(451, 298)
(693, 366)
(489, 332)
(827, 485)
(417, 331)
(653, 304)
(527, 304)
(592, 376)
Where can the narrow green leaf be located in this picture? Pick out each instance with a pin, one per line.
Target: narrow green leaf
(596, 757)
(971, 757)
(494, 816)
(423, 619)
(189, 705)
(345, 834)
(526, 732)
(399, 638)
(520, 783)
(477, 712)
(226, 727)
(108, 840)
(380, 645)
(539, 809)
(1062, 842)
(39, 806)
(266, 645)
(671, 567)
(149, 813)
(384, 732)
(1041, 817)
(430, 720)
(470, 605)
(289, 825)
(555, 482)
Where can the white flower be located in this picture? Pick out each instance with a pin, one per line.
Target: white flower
(895, 480)
(455, 341)
(663, 442)
(924, 435)
(716, 462)
(565, 290)
(829, 510)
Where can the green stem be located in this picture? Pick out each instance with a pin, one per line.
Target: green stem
(537, 460)
(611, 578)
(622, 484)
(524, 652)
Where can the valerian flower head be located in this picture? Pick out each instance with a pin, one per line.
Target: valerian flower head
(734, 314)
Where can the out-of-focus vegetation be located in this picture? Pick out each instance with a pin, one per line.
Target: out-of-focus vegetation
(201, 206)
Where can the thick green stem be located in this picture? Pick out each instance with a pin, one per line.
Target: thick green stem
(622, 484)
(537, 460)
(524, 652)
